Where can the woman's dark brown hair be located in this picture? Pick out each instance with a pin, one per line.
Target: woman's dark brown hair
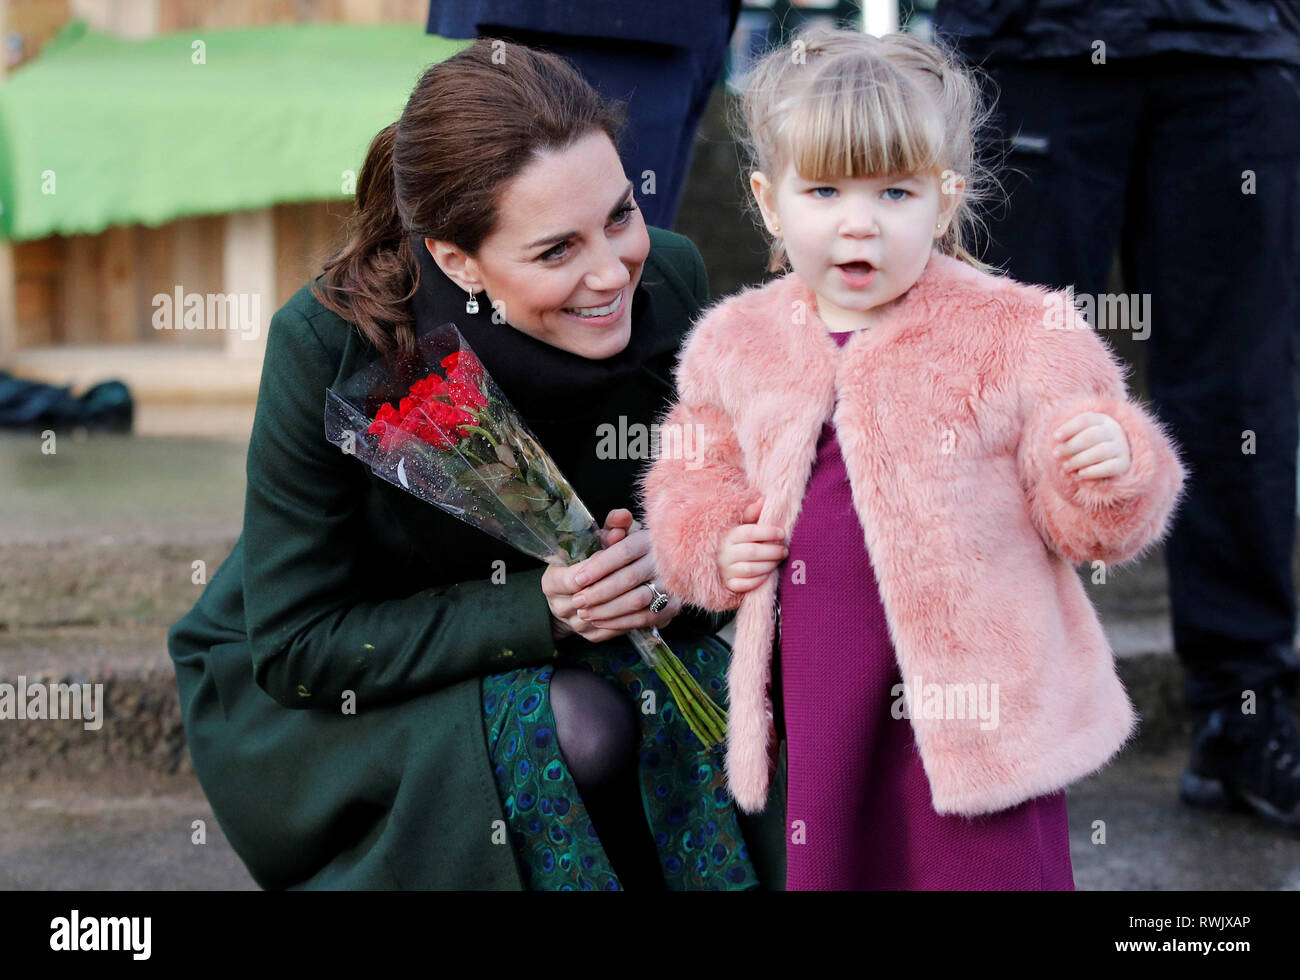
(473, 122)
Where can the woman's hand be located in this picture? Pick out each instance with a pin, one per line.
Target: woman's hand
(750, 552)
(605, 596)
(1094, 444)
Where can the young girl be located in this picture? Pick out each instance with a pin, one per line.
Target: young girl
(904, 454)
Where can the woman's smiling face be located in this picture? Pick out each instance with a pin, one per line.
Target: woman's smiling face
(569, 238)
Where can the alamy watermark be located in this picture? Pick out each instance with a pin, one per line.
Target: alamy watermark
(208, 311)
(1131, 311)
(654, 441)
(947, 701)
(54, 701)
(126, 933)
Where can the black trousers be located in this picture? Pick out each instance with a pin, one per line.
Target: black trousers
(666, 89)
(1191, 164)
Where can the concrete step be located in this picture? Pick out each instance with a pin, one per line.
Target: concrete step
(130, 829)
(121, 829)
(98, 541)
(142, 727)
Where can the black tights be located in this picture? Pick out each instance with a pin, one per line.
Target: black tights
(597, 731)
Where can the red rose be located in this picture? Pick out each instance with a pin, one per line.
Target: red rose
(422, 428)
(438, 423)
(385, 425)
(465, 379)
(465, 364)
(465, 393)
(387, 415)
(451, 417)
(423, 414)
(429, 388)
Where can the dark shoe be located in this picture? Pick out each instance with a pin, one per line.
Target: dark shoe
(1248, 762)
(33, 406)
(108, 407)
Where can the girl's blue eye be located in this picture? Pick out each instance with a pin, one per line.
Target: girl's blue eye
(900, 190)
(822, 197)
(621, 217)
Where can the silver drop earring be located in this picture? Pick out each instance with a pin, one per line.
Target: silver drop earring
(471, 304)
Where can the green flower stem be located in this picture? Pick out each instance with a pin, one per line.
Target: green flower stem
(484, 432)
(706, 720)
(708, 725)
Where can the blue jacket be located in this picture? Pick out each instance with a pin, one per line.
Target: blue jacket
(683, 23)
(1013, 30)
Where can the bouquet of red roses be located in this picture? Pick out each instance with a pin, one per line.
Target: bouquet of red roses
(455, 441)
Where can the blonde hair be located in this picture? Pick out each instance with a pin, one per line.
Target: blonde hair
(839, 103)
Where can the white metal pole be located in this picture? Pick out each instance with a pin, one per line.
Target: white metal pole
(880, 16)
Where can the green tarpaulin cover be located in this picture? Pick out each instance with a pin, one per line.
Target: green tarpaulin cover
(100, 131)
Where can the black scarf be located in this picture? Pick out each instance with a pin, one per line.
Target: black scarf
(544, 383)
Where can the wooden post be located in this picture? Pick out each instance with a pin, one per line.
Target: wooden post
(132, 19)
(119, 316)
(8, 305)
(249, 273)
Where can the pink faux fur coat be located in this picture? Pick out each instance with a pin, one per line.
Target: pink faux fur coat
(945, 411)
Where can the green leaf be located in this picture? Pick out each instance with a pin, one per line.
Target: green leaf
(506, 456)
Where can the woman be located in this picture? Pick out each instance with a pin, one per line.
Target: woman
(502, 736)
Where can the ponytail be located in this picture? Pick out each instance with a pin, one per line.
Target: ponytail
(371, 279)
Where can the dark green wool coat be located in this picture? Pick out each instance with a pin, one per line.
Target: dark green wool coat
(343, 582)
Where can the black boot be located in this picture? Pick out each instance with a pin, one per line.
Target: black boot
(1248, 762)
(32, 406)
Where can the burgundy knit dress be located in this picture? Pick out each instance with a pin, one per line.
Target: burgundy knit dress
(855, 779)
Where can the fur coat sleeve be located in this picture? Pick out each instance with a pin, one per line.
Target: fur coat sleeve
(1113, 519)
(691, 500)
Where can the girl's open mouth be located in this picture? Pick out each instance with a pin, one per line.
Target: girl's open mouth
(857, 273)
